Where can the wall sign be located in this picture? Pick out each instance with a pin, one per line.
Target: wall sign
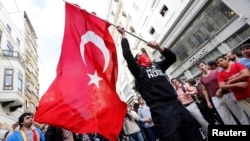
(198, 56)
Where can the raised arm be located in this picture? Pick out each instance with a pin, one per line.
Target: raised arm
(169, 56)
(127, 54)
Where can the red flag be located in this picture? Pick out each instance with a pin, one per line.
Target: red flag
(83, 97)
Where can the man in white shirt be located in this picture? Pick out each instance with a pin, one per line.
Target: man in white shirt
(145, 117)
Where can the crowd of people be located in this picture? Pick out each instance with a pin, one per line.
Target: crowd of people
(138, 123)
(211, 99)
(167, 110)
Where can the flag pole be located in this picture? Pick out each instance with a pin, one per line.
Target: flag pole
(130, 33)
(109, 23)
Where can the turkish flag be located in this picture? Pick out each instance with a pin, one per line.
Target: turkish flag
(83, 97)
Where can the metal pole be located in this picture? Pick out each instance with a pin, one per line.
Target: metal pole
(110, 23)
(131, 34)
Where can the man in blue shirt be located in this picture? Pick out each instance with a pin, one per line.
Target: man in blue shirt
(245, 49)
(27, 131)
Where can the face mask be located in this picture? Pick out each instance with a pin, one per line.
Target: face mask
(144, 60)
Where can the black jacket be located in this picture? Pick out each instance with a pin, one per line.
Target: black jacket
(53, 134)
(56, 134)
(152, 82)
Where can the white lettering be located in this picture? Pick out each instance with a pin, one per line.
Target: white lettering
(198, 55)
(216, 132)
(154, 73)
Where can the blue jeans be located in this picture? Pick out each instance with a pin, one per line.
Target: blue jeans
(137, 136)
(150, 133)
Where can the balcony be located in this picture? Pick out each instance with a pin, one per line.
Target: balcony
(12, 54)
(11, 100)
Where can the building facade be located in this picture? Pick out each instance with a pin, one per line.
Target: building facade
(148, 20)
(196, 30)
(203, 33)
(19, 85)
(31, 70)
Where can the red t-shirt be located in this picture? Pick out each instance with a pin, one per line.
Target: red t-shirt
(235, 69)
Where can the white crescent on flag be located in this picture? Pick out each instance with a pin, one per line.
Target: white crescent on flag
(90, 36)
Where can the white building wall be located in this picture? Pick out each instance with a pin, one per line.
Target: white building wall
(163, 24)
(179, 23)
(15, 32)
(143, 16)
(16, 62)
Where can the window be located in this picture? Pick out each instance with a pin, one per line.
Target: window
(8, 28)
(124, 14)
(127, 90)
(9, 51)
(132, 29)
(164, 10)
(152, 31)
(27, 104)
(32, 107)
(18, 41)
(1, 32)
(214, 17)
(238, 37)
(135, 7)
(8, 79)
(20, 82)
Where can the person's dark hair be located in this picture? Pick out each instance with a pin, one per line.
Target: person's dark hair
(201, 62)
(245, 45)
(21, 118)
(212, 63)
(5, 135)
(191, 81)
(199, 75)
(236, 53)
(177, 79)
(136, 106)
(44, 127)
(220, 57)
(136, 56)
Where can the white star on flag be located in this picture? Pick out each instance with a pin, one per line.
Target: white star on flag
(94, 79)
